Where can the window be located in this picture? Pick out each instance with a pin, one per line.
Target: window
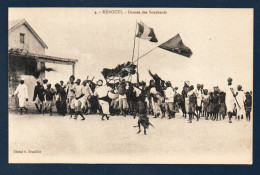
(22, 38)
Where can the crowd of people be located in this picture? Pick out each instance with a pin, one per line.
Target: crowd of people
(157, 97)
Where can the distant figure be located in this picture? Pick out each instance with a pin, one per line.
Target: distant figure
(230, 99)
(142, 111)
(192, 103)
(222, 108)
(63, 97)
(169, 100)
(240, 99)
(206, 99)
(86, 90)
(79, 99)
(38, 96)
(198, 93)
(49, 96)
(70, 95)
(248, 105)
(185, 91)
(123, 105)
(22, 93)
(215, 104)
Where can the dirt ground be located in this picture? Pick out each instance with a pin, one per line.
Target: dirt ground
(34, 138)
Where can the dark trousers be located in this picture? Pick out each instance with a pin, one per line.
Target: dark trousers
(63, 107)
(58, 106)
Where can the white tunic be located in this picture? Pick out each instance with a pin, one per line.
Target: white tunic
(169, 95)
(199, 97)
(22, 93)
(102, 91)
(230, 100)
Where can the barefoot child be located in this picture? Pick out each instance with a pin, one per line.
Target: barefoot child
(141, 110)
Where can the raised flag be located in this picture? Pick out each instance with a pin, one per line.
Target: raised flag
(146, 33)
(176, 45)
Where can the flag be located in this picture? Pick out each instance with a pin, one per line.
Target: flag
(176, 45)
(145, 32)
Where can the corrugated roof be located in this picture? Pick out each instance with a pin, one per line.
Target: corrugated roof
(13, 24)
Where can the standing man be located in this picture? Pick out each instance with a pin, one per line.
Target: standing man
(230, 99)
(185, 97)
(70, 95)
(156, 100)
(49, 96)
(86, 90)
(38, 96)
(248, 105)
(169, 100)
(22, 93)
(192, 103)
(206, 99)
(123, 105)
(198, 93)
(215, 104)
(78, 98)
(63, 97)
(241, 101)
(132, 99)
(102, 93)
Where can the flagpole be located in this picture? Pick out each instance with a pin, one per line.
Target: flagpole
(137, 73)
(134, 43)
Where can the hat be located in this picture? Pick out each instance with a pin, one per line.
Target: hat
(78, 80)
(48, 85)
(239, 87)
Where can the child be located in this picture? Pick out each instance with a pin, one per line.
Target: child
(141, 109)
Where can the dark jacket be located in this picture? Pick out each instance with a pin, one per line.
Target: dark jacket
(49, 94)
(38, 91)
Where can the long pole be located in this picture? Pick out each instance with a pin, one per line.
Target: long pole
(145, 54)
(137, 73)
(134, 43)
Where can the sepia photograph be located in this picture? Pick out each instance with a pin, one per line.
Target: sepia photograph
(130, 85)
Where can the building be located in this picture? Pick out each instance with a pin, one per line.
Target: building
(26, 56)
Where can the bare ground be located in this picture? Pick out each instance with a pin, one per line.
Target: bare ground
(64, 140)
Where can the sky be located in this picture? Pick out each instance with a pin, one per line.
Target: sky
(221, 41)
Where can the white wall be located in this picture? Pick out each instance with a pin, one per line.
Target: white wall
(30, 42)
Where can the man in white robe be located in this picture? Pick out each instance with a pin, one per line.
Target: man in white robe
(240, 99)
(230, 99)
(22, 93)
(102, 93)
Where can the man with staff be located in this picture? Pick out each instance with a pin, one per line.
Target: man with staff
(230, 99)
